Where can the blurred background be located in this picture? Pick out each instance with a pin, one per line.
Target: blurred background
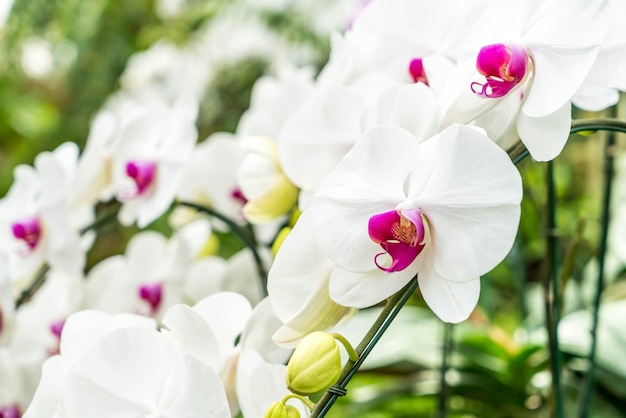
(61, 60)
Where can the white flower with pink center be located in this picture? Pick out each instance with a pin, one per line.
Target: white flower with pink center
(527, 60)
(136, 153)
(147, 166)
(36, 222)
(518, 64)
(446, 209)
(122, 365)
(147, 279)
(210, 177)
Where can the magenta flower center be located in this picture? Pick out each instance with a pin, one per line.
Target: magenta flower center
(401, 235)
(238, 195)
(56, 328)
(153, 294)
(416, 70)
(28, 231)
(11, 411)
(504, 67)
(142, 173)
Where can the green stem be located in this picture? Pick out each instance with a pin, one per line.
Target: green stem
(386, 317)
(551, 294)
(585, 400)
(243, 236)
(352, 354)
(35, 285)
(302, 399)
(445, 364)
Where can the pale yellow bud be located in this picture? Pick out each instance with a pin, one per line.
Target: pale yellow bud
(269, 192)
(280, 238)
(315, 364)
(280, 410)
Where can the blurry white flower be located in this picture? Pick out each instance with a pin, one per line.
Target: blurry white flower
(36, 223)
(148, 279)
(137, 154)
(122, 366)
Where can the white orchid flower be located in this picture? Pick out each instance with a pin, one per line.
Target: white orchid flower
(122, 366)
(36, 223)
(446, 209)
(147, 279)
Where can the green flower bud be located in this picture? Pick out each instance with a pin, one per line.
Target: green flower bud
(280, 410)
(315, 364)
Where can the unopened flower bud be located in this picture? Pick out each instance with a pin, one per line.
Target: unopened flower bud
(315, 364)
(280, 238)
(280, 410)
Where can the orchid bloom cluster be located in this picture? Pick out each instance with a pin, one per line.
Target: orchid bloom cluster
(391, 163)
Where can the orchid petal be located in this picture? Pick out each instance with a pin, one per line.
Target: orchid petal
(595, 97)
(358, 181)
(362, 290)
(49, 394)
(298, 284)
(410, 106)
(259, 384)
(201, 393)
(319, 133)
(192, 334)
(218, 306)
(545, 136)
(479, 195)
(258, 334)
(450, 301)
(562, 54)
(126, 373)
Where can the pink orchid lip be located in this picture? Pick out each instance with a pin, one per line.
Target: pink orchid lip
(416, 70)
(143, 173)
(56, 328)
(28, 230)
(401, 236)
(503, 65)
(238, 195)
(11, 411)
(153, 294)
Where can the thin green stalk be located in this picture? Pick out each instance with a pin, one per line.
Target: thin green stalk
(551, 294)
(445, 364)
(386, 317)
(35, 285)
(101, 221)
(243, 236)
(585, 399)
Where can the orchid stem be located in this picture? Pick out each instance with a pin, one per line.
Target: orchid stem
(585, 399)
(243, 236)
(448, 332)
(386, 317)
(35, 285)
(551, 294)
(352, 354)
